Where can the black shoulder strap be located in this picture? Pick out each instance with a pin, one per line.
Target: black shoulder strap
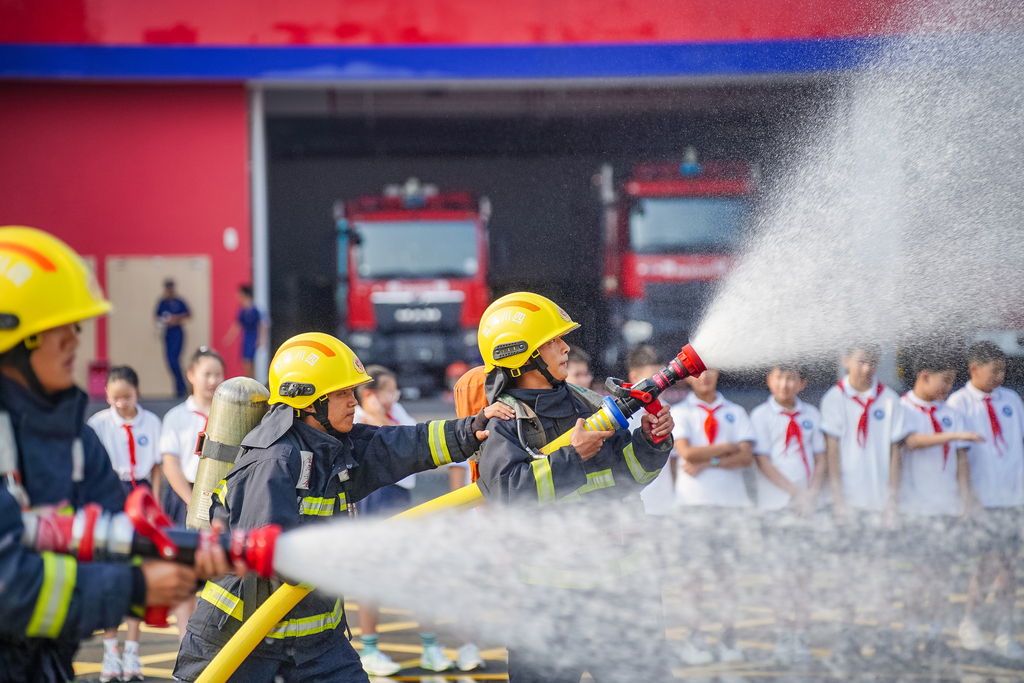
(531, 432)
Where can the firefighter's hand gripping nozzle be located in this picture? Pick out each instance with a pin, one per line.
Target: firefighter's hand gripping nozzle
(142, 530)
(627, 399)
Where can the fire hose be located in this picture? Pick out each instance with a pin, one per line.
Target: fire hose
(615, 412)
(93, 535)
(625, 400)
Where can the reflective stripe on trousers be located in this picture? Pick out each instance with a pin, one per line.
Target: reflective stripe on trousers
(59, 575)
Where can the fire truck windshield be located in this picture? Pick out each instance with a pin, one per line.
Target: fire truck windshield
(686, 225)
(412, 250)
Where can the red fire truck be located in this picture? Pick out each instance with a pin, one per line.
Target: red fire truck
(412, 279)
(671, 232)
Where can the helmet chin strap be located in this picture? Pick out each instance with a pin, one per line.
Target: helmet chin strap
(20, 358)
(320, 413)
(537, 363)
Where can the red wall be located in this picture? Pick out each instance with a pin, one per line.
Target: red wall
(376, 22)
(133, 170)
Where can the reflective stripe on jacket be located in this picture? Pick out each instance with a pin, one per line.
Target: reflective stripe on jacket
(291, 474)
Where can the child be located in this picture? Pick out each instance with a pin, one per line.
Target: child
(714, 441)
(863, 424)
(130, 434)
(253, 328)
(178, 435)
(936, 486)
(643, 362)
(997, 474)
(790, 456)
(579, 368)
(379, 406)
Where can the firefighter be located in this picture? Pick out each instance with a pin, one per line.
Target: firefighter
(306, 462)
(520, 339)
(49, 457)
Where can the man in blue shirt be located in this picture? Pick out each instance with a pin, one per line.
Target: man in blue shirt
(170, 313)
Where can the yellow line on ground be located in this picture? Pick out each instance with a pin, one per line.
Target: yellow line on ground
(153, 659)
(388, 627)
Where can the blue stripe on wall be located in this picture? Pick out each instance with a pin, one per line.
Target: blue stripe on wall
(640, 60)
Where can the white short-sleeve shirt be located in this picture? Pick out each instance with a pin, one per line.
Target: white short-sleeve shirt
(181, 428)
(929, 485)
(657, 496)
(997, 469)
(400, 416)
(770, 427)
(145, 432)
(864, 466)
(713, 486)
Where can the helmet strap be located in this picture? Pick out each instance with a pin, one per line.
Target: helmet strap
(537, 363)
(320, 413)
(20, 359)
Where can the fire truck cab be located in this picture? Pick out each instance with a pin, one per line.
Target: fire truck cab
(412, 280)
(671, 234)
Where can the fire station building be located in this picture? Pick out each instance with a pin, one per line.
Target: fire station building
(208, 142)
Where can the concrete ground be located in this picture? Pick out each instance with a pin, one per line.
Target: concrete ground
(399, 629)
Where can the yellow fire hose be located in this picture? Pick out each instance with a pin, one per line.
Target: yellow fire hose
(286, 597)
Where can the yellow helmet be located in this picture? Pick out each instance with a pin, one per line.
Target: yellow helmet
(516, 325)
(312, 365)
(44, 283)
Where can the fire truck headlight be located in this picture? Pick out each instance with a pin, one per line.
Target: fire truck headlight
(637, 331)
(360, 340)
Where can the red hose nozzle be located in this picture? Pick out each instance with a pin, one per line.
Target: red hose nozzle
(259, 550)
(691, 361)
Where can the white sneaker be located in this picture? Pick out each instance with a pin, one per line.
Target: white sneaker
(729, 655)
(1008, 647)
(379, 664)
(801, 648)
(131, 669)
(469, 658)
(694, 656)
(111, 670)
(433, 659)
(784, 646)
(970, 635)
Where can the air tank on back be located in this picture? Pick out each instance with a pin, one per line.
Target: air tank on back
(238, 406)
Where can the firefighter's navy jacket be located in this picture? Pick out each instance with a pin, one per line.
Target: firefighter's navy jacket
(509, 475)
(289, 473)
(512, 476)
(48, 602)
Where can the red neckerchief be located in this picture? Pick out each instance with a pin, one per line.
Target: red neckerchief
(710, 424)
(930, 412)
(131, 449)
(862, 424)
(997, 429)
(793, 432)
